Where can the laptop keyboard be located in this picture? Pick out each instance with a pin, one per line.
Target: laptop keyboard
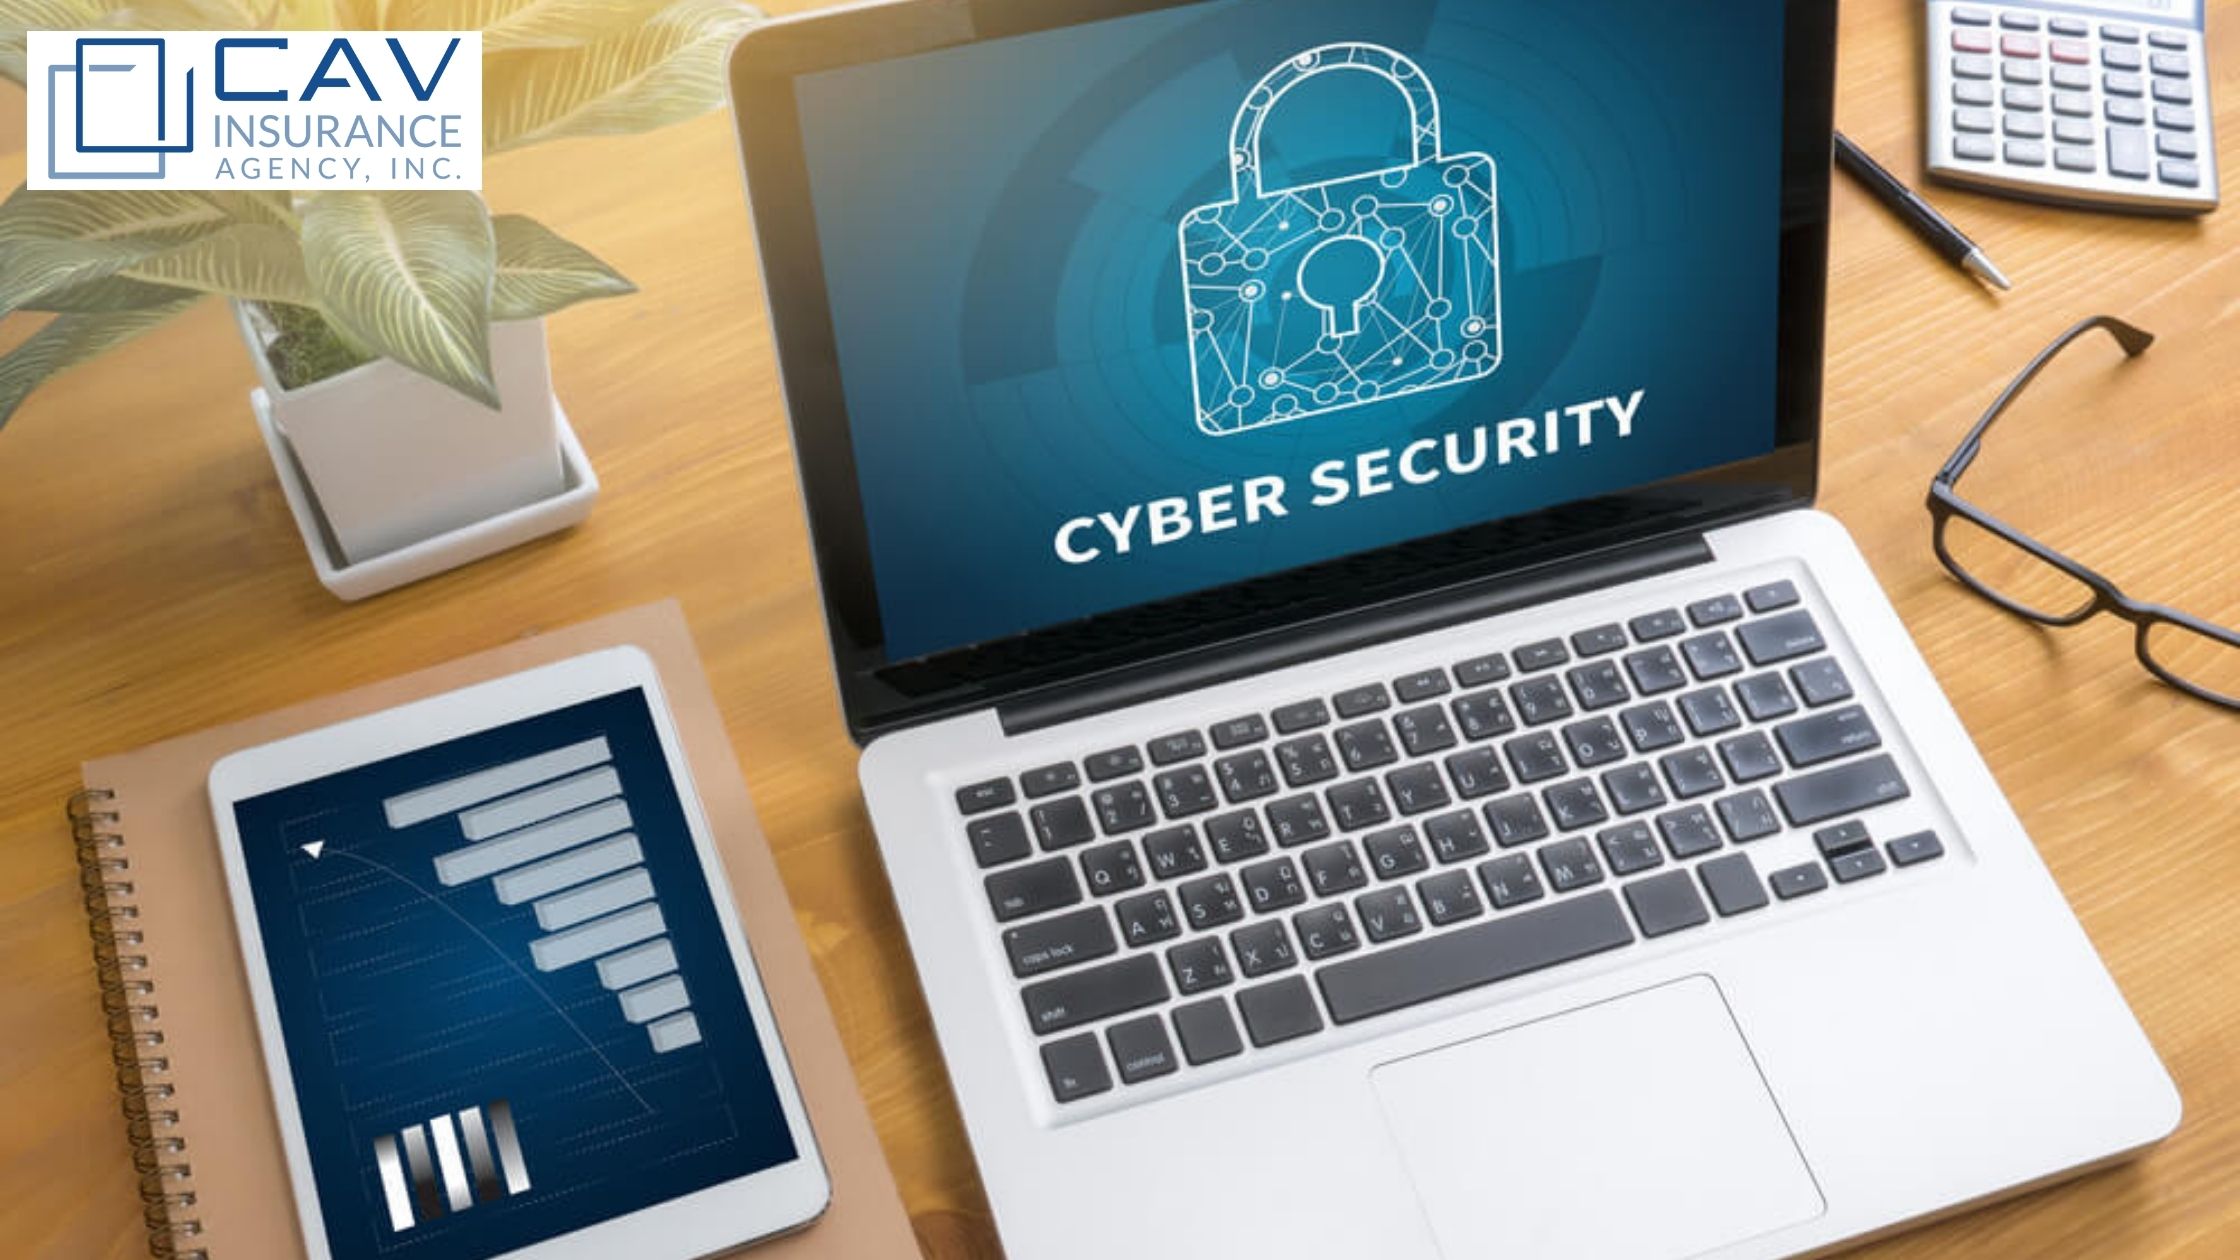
(1343, 857)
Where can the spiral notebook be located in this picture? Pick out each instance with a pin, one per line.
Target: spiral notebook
(205, 1141)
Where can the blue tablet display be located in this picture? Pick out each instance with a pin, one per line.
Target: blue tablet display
(508, 1005)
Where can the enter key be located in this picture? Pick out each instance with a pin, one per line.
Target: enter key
(1827, 736)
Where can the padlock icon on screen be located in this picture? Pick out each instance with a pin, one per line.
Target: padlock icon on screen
(1313, 299)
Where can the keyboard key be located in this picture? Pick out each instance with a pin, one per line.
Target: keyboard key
(1366, 745)
(2070, 52)
(1417, 789)
(1570, 865)
(1808, 741)
(1140, 1049)
(1598, 685)
(1974, 148)
(1480, 671)
(2027, 99)
(1857, 866)
(1844, 789)
(1206, 1032)
(1424, 731)
(1396, 853)
(2120, 83)
(1749, 758)
(1186, 791)
(1483, 715)
(2012, 71)
(1515, 820)
(1245, 776)
(1666, 903)
(1387, 914)
(1279, 1012)
(2025, 153)
(2119, 32)
(1719, 608)
(1633, 789)
(1456, 837)
(1546, 654)
(1050, 780)
(1842, 838)
(1652, 726)
(1293, 718)
(997, 840)
(1450, 898)
(1711, 655)
(2183, 174)
(1174, 852)
(1596, 640)
(1076, 1068)
(1968, 15)
(1112, 764)
(1536, 757)
(1709, 712)
(2073, 28)
(1688, 832)
(1298, 820)
(1334, 869)
(1511, 881)
(1691, 772)
(2013, 20)
(1146, 919)
(1032, 889)
(1820, 682)
(1199, 965)
(1185, 746)
(1540, 700)
(2166, 39)
(1594, 742)
(2126, 112)
(1049, 944)
(1732, 884)
(1422, 685)
(979, 798)
(1662, 624)
(1082, 997)
(1121, 807)
(1575, 805)
(1237, 732)
(2026, 126)
(1765, 697)
(1477, 772)
(1447, 963)
(1747, 816)
(1771, 596)
(1263, 949)
(1965, 93)
(2064, 78)
(1236, 837)
(1306, 760)
(1971, 66)
(2173, 118)
(1921, 846)
(2173, 91)
(2176, 145)
(2072, 131)
(1370, 699)
(1111, 868)
(1655, 670)
(1358, 804)
(1799, 881)
(1325, 931)
(1272, 886)
(1972, 41)
(2170, 63)
(2120, 57)
(1209, 902)
(1628, 848)
(2127, 152)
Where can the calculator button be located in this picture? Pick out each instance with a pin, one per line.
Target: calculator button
(2183, 174)
(2173, 91)
(1973, 94)
(2127, 152)
(1970, 67)
(2021, 72)
(2072, 78)
(2170, 63)
(2026, 126)
(1971, 41)
(2123, 85)
(2118, 57)
(2175, 145)
(1975, 121)
(2025, 153)
(1971, 17)
(2128, 112)
(2120, 33)
(2073, 159)
(2019, 21)
(2072, 131)
(2026, 98)
(1973, 148)
(2068, 26)
(2166, 39)
(2173, 118)
(2069, 52)
(2074, 104)
(2019, 45)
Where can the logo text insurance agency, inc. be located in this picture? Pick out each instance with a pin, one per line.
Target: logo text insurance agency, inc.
(254, 109)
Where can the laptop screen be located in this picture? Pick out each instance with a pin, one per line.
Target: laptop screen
(1149, 305)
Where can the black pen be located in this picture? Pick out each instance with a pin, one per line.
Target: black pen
(1919, 215)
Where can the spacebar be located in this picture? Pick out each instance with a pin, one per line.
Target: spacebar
(1450, 962)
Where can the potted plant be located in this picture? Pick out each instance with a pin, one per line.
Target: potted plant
(398, 337)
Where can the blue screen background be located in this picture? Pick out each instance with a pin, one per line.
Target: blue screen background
(998, 225)
(397, 1002)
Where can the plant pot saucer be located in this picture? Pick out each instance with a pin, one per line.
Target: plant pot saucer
(468, 543)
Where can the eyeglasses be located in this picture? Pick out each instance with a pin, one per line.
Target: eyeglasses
(2030, 579)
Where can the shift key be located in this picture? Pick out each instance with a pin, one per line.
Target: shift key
(1082, 997)
(1844, 789)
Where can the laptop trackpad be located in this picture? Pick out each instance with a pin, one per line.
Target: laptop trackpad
(1634, 1129)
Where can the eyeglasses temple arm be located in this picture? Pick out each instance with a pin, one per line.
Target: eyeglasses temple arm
(2134, 340)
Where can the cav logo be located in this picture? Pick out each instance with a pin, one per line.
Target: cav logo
(1314, 299)
(114, 110)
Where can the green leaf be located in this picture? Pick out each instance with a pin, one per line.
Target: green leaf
(114, 293)
(511, 24)
(57, 239)
(408, 274)
(242, 261)
(68, 340)
(539, 272)
(20, 16)
(665, 71)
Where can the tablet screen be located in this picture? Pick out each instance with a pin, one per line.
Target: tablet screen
(509, 1007)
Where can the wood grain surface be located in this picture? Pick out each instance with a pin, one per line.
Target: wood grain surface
(151, 582)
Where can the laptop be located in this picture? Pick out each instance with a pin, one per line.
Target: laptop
(1373, 747)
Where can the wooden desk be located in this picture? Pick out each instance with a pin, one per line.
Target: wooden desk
(151, 583)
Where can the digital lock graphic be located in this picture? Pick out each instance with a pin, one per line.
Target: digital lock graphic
(1308, 300)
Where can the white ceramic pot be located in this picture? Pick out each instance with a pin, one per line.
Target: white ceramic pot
(393, 459)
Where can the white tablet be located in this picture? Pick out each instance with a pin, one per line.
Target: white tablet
(505, 1002)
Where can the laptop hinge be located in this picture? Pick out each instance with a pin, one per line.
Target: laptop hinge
(1485, 597)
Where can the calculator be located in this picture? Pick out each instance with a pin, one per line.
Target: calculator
(2103, 104)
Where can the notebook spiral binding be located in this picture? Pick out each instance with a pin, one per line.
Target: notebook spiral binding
(135, 1037)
